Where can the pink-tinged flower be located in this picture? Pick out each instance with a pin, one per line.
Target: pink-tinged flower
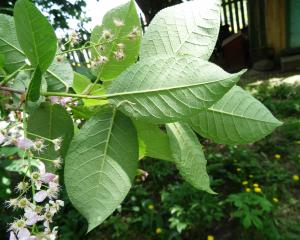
(2, 138)
(12, 236)
(24, 234)
(53, 190)
(54, 99)
(48, 177)
(40, 196)
(32, 217)
(24, 143)
(65, 100)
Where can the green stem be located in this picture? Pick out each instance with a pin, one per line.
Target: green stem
(12, 75)
(84, 47)
(44, 159)
(35, 135)
(59, 94)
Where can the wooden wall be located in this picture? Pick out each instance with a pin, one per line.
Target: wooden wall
(275, 20)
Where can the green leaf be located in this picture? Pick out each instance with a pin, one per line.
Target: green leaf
(165, 89)
(2, 60)
(154, 140)
(82, 112)
(82, 83)
(9, 45)
(35, 34)
(51, 121)
(59, 76)
(188, 155)
(101, 164)
(33, 93)
(127, 14)
(189, 28)
(235, 119)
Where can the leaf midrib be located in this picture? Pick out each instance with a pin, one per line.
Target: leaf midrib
(111, 95)
(107, 144)
(241, 116)
(32, 33)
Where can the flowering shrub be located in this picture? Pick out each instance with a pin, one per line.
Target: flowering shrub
(98, 130)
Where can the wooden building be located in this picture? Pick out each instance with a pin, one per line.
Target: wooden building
(274, 31)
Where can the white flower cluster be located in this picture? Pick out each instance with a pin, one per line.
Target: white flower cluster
(37, 211)
(38, 192)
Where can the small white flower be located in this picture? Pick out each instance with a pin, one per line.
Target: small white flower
(60, 58)
(40, 196)
(35, 176)
(24, 143)
(24, 234)
(32, 216)
(39, 145)
(106, 34)
(120, 46)
(134, 33)
(118, 22)
(74, 38)
(101, 48)
(17, 224)
(119, 55)
(22, 186)
(99, 61)
(57, 143)
(65, 100)
(48, 177)
(53, 190)
(54, 99)
(36, 179)
(12, 236)
(23, 203)
(57, 163)
(2, 138)
(11, 203)
(55, 206)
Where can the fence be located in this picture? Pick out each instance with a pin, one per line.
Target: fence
(234, 14)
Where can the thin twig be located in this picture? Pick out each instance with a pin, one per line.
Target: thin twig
(8, 89)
